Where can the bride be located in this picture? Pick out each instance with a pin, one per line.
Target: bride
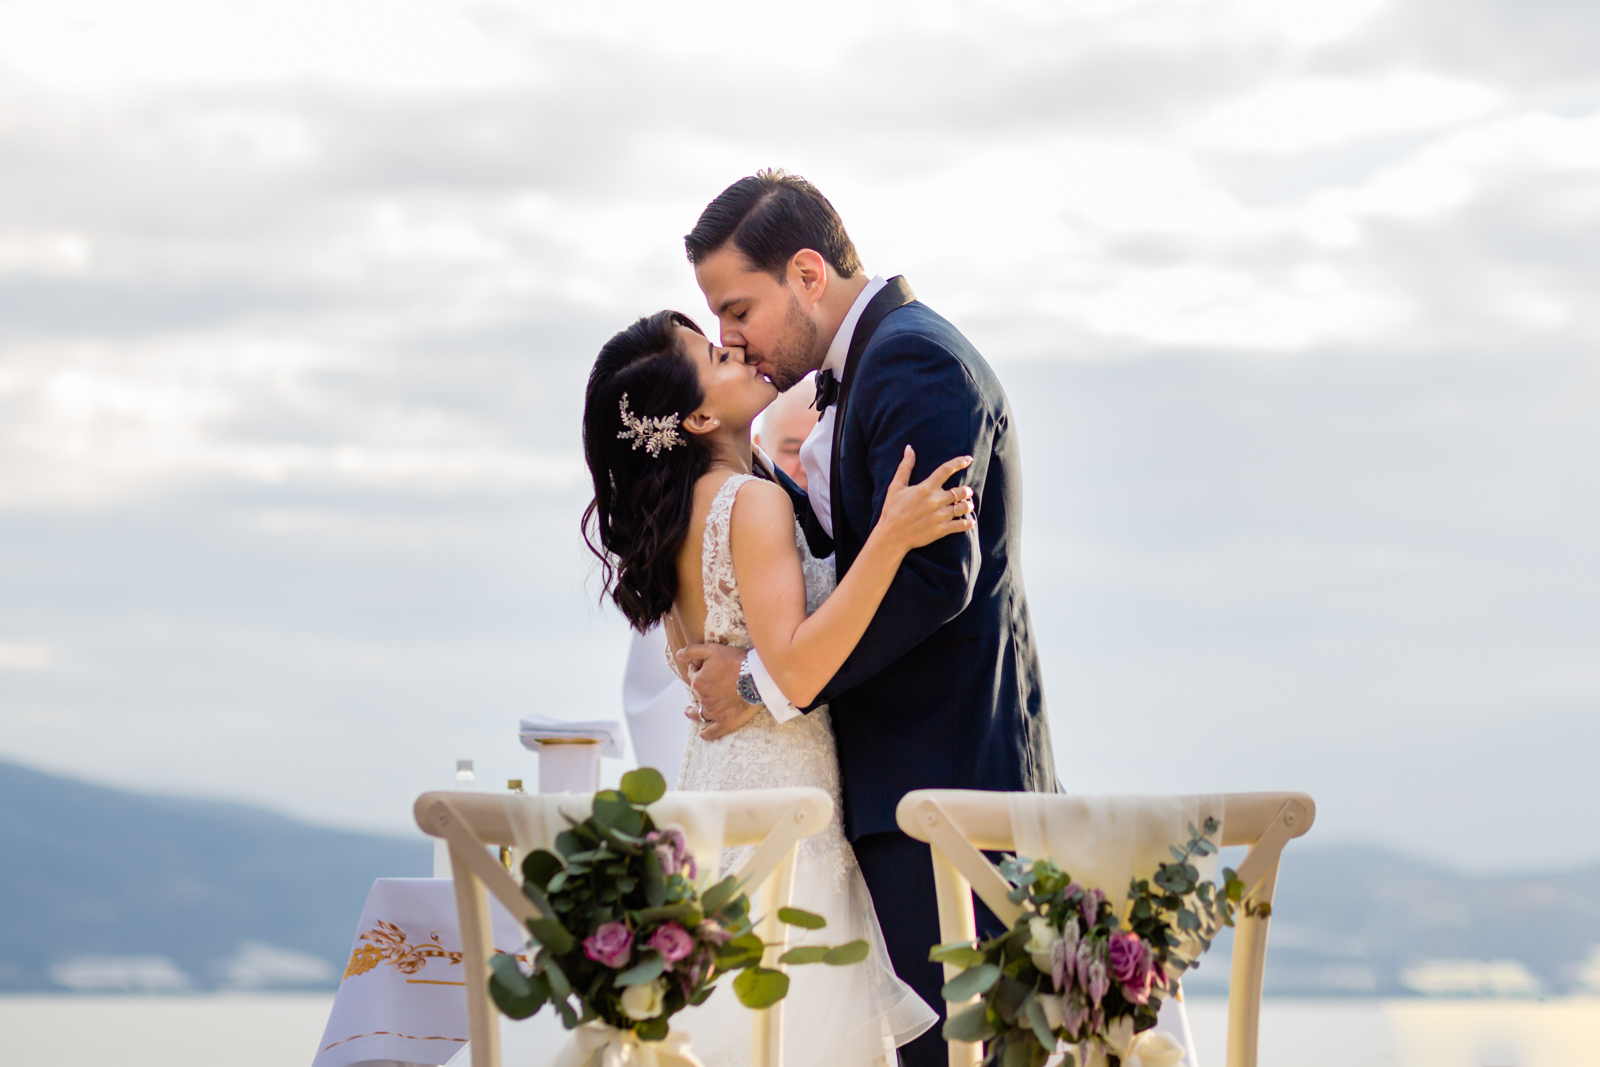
(694, 533)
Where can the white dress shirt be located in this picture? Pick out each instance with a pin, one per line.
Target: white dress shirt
(816, 456)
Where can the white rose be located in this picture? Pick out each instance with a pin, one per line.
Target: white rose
(1151, 1049)
(1042, 938)
(644, 1001)
(1052, 1010)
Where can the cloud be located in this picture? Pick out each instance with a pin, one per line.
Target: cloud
(297, 302)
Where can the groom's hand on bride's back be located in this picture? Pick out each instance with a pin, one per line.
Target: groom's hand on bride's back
(714, 677)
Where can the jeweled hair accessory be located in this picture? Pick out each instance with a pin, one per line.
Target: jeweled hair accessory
(654, 432)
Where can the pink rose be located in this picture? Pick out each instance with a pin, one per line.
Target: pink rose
(610, 944)
(1138, 990)
(1123, 954)
(672, 941)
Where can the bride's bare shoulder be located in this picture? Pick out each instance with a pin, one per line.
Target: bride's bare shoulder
(761, 507)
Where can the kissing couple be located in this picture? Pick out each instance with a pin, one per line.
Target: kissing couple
(867, 635)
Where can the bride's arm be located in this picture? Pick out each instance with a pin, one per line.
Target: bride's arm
(802, 653)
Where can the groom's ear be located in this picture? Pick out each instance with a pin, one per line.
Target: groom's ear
(808, 275)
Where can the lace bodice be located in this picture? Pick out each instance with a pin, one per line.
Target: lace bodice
(764, 753)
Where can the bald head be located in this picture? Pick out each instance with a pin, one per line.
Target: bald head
(784, 426)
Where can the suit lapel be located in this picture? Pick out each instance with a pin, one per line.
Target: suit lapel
(895, 294)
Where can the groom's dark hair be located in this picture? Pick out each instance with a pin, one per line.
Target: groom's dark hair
(770, 216)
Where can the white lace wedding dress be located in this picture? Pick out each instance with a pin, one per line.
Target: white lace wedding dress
(833, 1016)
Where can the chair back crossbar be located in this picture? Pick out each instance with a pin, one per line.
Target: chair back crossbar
(959, 825)
(774, 820)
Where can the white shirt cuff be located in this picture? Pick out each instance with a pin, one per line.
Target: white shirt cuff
(771, 695)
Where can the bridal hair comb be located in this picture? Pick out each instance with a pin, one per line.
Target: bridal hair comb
(654, 432)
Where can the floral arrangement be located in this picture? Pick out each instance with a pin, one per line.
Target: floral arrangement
(1072, 972)
(626, 934)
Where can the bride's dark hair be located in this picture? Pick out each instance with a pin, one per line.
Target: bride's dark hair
(642, 502)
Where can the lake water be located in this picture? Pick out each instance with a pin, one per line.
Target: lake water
(282, 1031)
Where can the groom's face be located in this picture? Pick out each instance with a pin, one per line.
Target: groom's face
(765, 317)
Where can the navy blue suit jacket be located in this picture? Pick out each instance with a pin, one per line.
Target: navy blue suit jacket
(944, 689)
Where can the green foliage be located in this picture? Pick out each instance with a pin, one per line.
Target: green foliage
(646, 970)
(644, 786)
(971, 982)
(803, 919)
(609, 868)
(847, 953)
(761, 987)
(805, 954)
(971, 1024)
(1174, 914)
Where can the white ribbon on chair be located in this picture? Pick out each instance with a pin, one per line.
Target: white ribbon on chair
(1106, 842)
(536, 820)
(598, 1045)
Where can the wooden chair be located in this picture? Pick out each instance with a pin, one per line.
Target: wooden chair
(958, 823)
(774, 820)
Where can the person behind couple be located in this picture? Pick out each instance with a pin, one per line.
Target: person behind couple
(691, 536)
(944, 690)
(784, 427)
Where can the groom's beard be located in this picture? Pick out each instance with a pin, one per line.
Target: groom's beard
(795, 354)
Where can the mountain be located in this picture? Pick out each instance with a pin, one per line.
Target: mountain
(1357, 920)
(105, 889)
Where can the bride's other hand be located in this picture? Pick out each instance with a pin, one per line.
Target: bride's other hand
(714, 676)
(917, 515)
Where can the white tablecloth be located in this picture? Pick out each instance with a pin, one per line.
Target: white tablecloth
(403, 999)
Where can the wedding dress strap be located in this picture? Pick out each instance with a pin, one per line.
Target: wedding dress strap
(724, 615)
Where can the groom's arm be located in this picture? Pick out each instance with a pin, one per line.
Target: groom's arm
(921, 395)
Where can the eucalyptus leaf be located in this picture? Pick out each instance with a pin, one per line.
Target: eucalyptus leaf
(568, 842)
(713, 899)
(1033, 1011)
(552, 935)
(560, 988)
(509, 974)
(969, 1025)
(685, 915)
(653, 1029)
(804, 919)
(846, 954)
(655, 881)
(743, 951)
(805, 954)
(957, 953)
(644, 786)
(761, 987)
(971, 982)
(539, 866)
(1018, 1052)
(646, 970)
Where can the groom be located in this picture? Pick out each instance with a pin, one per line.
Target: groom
(943, 690)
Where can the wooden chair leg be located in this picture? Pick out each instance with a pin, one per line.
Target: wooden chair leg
(957, 922)
(472, 912)
(1245, 980)
(766, 1037)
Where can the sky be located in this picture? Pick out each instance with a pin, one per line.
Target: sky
(1292, 298)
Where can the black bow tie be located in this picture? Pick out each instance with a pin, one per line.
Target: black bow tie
(827, 391)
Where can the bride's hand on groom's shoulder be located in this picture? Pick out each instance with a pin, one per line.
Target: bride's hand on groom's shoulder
(714, 677)
(917, 515)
